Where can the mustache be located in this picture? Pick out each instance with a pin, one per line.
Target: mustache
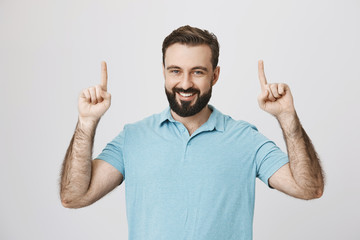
(189, 90)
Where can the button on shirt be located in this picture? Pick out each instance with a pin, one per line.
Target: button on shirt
(198, 187)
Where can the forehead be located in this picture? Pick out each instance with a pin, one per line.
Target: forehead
(187, 56)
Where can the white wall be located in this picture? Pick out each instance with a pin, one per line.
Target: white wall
(51, 50)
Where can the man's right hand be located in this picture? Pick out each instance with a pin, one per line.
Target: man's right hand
(95, 101)
(83, 180)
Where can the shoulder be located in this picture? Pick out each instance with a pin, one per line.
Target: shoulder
(149, 122)
(227, 123)
(144, 131)
(244, 134)
(238, 125)
(242, 130)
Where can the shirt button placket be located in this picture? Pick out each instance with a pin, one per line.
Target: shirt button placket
(186, 147)
(186, 138)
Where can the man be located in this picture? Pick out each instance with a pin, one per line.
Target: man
(190, 171)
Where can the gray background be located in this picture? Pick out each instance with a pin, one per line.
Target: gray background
(51, 50)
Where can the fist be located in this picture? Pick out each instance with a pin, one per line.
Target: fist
(95, 101)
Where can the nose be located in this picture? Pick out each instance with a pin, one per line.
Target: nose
(186, 82)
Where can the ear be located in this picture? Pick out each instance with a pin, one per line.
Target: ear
(216, 75)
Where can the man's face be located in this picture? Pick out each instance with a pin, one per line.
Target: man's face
(189, 77)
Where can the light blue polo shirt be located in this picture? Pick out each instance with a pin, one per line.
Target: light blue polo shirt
(198, 187)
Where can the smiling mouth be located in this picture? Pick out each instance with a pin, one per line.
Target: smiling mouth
(186, 96)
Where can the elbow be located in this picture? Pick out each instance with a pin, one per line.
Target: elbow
(312, 191)
(67, 204)
(319, 193)
(315, 194)
(72, 203)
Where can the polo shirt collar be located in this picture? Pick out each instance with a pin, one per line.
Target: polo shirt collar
(215, 121)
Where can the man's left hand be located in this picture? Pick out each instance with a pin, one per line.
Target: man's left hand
(275, 98)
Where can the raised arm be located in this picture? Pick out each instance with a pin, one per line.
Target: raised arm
(84, 181)
(302, 177)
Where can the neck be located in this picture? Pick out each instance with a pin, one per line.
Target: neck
(193, 122)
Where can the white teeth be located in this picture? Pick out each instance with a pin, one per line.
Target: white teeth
(186, 94)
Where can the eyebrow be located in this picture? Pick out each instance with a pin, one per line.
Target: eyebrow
(197, 67)
(172, 67)
(200, 67)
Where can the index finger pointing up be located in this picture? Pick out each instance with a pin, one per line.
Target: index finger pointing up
(261, 73)
(104, 76)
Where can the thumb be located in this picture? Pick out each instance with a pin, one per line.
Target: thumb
(106, 95)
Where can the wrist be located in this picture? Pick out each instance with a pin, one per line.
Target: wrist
(86, 123)
(286, 117)
(290, 124)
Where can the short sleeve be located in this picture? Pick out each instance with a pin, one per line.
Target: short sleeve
(268, 157)
(113, 153)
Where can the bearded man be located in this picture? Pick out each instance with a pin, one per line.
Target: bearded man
(190, 170)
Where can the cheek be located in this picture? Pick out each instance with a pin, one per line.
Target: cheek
(168, 85)
(205, 86)
(170, 82)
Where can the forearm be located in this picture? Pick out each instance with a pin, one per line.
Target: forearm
(304, 162)
(76, 169)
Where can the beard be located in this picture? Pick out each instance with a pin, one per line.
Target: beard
(185, 109)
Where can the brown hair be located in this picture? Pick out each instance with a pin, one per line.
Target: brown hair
(193, 36)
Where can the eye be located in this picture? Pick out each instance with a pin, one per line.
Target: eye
(175, 71)
(198, 73)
